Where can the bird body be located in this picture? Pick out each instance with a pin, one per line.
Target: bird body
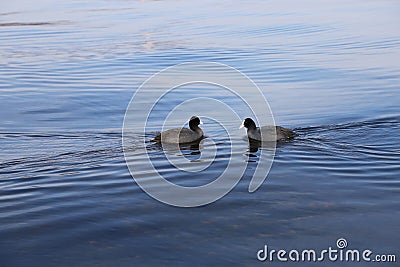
(182, 135)
(266, 133)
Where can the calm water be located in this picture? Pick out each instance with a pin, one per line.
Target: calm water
(68, 70)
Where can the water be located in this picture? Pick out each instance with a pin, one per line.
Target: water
(68, 71)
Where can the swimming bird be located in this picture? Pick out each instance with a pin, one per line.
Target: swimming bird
(182, 135)
(266, 133)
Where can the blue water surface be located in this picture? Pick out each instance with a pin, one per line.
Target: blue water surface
(68, 69)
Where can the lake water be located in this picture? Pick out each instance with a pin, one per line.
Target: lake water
(68, 70)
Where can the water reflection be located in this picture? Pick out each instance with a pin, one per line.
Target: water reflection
(256, 147)
(191, 151)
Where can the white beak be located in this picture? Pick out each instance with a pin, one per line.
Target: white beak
(201, 123)
(242, 125)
